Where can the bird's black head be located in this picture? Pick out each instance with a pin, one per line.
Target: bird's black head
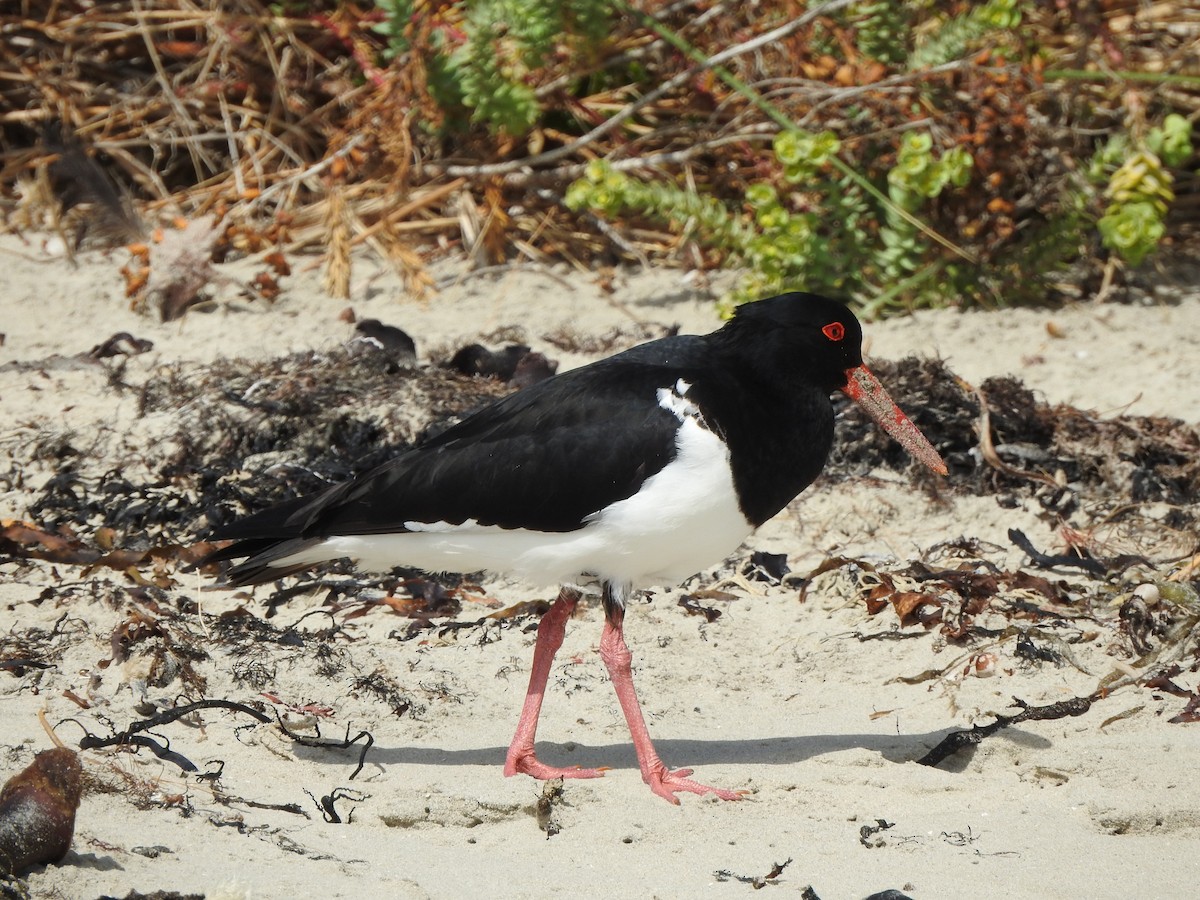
(811, 336)
(816, 343)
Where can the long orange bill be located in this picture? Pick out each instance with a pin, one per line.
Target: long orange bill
(864, 389)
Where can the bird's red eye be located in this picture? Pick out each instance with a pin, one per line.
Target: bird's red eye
(835, 331)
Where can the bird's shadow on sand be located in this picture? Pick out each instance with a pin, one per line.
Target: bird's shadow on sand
(678, 752)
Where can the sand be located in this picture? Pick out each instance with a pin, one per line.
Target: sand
(777, 696)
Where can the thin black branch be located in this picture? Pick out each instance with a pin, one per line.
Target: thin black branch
(132, 735)
(332, 744)
(957, 740)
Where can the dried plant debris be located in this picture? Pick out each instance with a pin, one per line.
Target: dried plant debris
(135, 735)
(28, 652)
(548, 801)
(328, 804)
(974, 604)
(24, 540)
(386, 690)
(121, 344)
(1081, 558)
(957, 740)
(335, 170)
(869, 835)
(523, 616)
(294, 424)
(1163, 682)
(181, 267)
(691, 604)
(1012, 622)
(953, 597)
(37, 811)
(755, 881)
(333, 743)
(768, 567)
(1052, 453)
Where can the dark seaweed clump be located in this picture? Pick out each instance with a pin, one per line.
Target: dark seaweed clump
(1116, 461)
(253, 433)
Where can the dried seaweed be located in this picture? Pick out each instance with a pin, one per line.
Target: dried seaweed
(133, 736)
(1118, 463)
(327, 804)
(333, 743)
(1163, 682)
(547, 802)
(958, 740)
(298, 422)
(758, 882)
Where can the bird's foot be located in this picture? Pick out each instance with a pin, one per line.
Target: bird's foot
(666, 783)
(526, 763)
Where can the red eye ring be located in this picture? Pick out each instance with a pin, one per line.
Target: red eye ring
(835, 331)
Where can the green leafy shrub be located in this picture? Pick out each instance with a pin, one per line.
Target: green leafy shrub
(918, 176)
(1138, 186)
(821, 238)
(504, 46)
(882, 30)
(952, 38)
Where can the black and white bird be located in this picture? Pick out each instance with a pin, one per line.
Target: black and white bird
(640, 469)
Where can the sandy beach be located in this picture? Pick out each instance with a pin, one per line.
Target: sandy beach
(795, 691)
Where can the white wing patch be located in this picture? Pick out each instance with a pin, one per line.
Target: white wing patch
(676, 403)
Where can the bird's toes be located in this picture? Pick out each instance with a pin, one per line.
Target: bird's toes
(666, 783)
(530, 765)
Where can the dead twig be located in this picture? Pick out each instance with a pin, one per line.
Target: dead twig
(630, 109)
(957, 740)
(988, 450)
(132, 735)
(332, 744)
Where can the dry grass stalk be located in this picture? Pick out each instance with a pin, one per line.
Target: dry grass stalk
(336, 279)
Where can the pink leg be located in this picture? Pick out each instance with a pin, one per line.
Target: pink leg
(521, 756)
(655, 773)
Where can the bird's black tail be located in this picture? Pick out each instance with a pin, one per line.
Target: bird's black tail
(261, 539)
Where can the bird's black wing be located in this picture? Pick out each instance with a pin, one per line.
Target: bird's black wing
(543, 459)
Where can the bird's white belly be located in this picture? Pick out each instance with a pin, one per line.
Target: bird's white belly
(683, 519)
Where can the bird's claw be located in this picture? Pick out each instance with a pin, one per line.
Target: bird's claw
(666, 783)
(529, 764)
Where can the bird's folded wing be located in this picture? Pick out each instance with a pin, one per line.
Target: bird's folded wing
(543, 459)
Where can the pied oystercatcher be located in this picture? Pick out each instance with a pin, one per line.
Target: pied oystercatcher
(638, 469)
